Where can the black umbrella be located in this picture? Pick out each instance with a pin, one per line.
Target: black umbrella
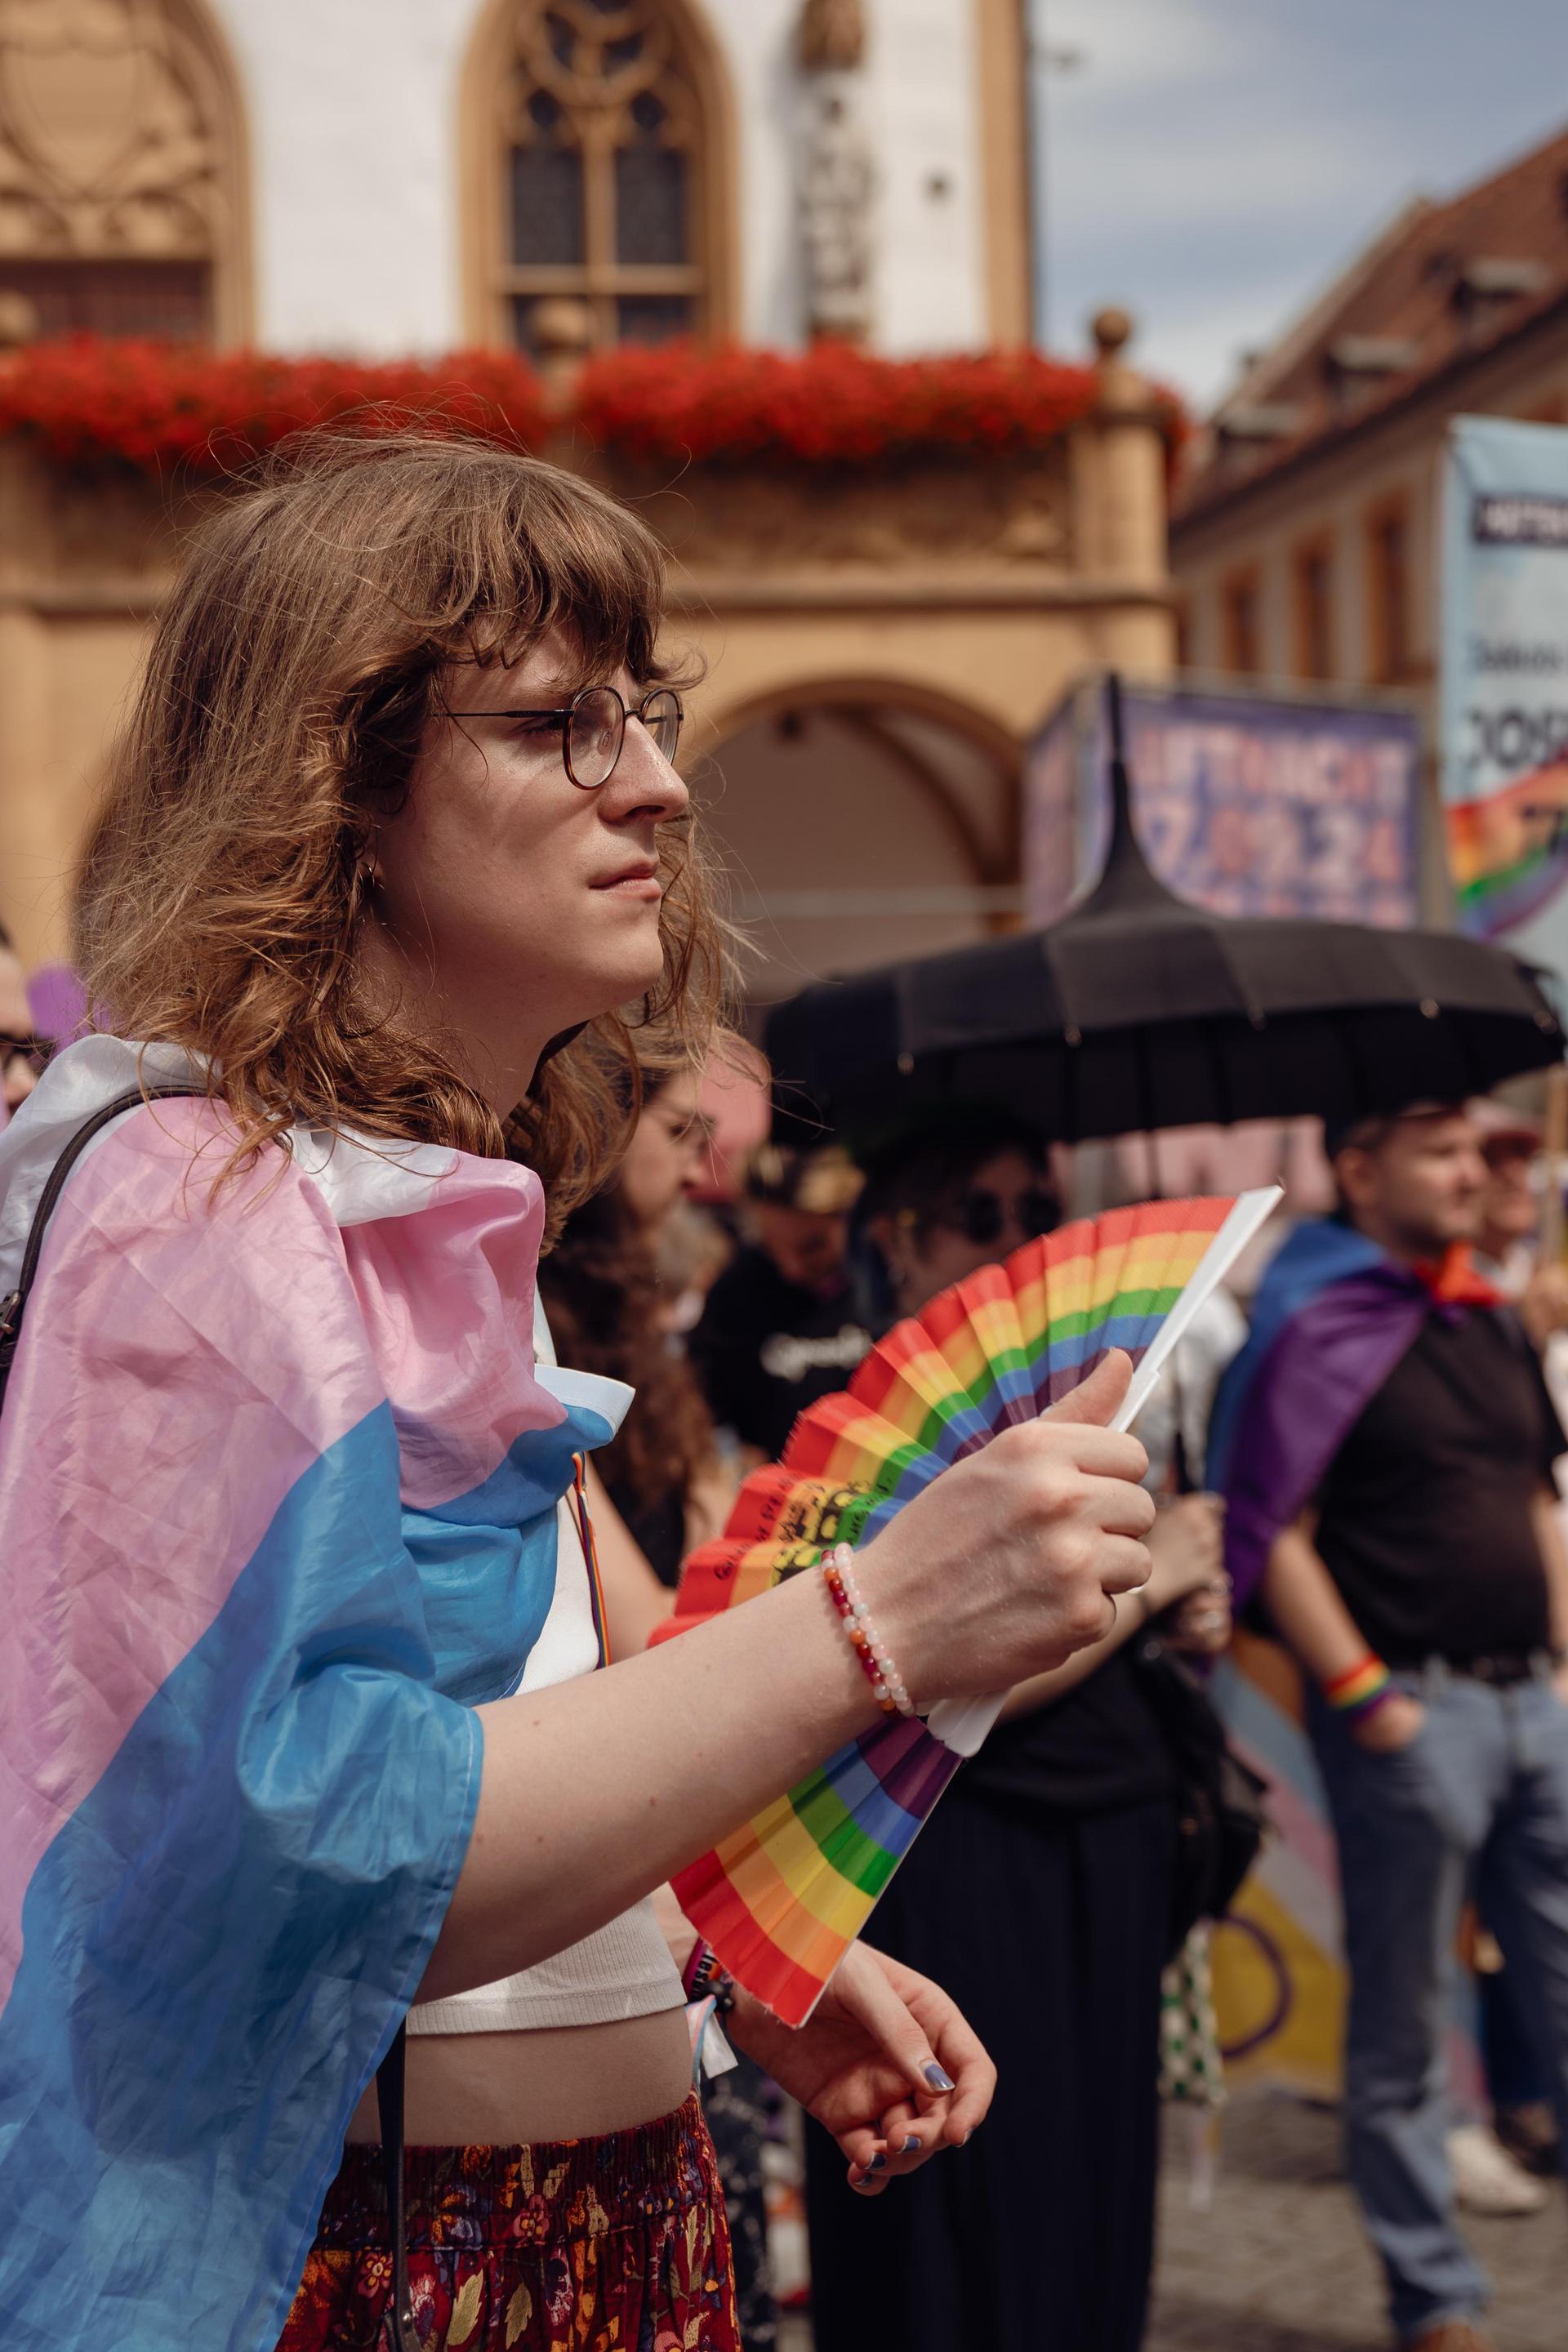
(1138, 1011)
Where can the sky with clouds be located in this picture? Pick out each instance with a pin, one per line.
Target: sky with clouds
(1213, 164)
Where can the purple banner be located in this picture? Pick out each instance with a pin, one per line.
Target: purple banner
(1246, 805)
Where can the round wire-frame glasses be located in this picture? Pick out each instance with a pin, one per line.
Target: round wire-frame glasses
(594, 729)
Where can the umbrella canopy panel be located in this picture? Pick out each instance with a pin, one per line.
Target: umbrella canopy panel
(1138, 1011)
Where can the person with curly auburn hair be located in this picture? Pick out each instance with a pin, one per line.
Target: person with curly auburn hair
(611, 1312)
(302, 1734)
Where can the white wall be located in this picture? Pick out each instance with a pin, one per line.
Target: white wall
(352, 107)
(924, 98)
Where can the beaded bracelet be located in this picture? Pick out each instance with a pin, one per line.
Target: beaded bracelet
(1361, 1690)
(886, 1683)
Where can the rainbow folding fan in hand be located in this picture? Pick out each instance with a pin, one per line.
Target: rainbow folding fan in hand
(782, 1899)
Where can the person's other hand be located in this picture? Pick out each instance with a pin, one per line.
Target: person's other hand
(1389, 1726)
(1187, 1551)
(1006, 1564)
(1188, 1581)
(1201, 1625)
(872, 2063)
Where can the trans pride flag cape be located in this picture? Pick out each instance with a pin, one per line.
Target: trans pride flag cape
(277, 1509)
(1331, 1319)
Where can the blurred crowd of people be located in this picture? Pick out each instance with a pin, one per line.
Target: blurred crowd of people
(1377, 1491)
(1404, 1546)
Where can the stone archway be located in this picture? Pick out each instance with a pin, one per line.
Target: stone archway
(860, 821)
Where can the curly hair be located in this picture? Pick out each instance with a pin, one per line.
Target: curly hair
(288, 689)
(604, 1297)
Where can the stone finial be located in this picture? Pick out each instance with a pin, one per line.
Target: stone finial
(562, 336)
(832, 35)
(1122, 388)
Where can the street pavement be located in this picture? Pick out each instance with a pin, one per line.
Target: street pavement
(1277, 2263)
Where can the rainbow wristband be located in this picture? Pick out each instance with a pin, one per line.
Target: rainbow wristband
(1360, 1689)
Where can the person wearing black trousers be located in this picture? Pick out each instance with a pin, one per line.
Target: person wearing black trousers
(1041, 1889)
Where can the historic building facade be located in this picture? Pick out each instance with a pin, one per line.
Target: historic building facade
(388, 177)
(1304, 541)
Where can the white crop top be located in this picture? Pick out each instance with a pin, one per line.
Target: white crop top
(623, 1969)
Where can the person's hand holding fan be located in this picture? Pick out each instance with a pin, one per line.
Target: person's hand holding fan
(781, 1899)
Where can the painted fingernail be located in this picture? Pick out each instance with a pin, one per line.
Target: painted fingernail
(878, 2162)
(910, 2144)
(858, 2181)
(939, 2078)
(969, 2134)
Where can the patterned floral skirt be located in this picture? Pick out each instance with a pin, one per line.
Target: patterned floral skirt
(613, 2244)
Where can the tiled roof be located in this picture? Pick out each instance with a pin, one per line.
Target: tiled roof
(1444, 283)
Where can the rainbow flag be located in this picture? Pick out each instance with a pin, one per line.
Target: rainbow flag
(279, 1484)
(782, 1899)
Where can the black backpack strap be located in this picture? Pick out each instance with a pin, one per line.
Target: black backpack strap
(389, 2099)
(14, 1305)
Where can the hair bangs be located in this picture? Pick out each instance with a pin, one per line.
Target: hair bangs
(288, 688)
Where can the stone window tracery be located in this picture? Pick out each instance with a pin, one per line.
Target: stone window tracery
(120, 174)
(608, 182)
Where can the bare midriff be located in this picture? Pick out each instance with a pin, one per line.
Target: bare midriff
(567, 2082)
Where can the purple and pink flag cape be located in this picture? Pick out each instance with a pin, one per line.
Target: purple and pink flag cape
(278, 1479)
(1332, 1317)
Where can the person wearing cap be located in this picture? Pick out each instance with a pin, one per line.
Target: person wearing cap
(780, 1326)
(1385, 1445)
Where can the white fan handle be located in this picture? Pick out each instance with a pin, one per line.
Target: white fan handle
(961, 1724)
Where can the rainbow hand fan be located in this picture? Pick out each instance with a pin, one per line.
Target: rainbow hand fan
(782, 1899)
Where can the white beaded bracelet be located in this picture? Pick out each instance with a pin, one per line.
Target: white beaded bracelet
(875, 1659)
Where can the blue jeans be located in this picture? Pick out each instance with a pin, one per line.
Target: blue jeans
(1478, 1798)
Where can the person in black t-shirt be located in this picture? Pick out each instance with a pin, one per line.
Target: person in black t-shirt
(1425, 1590)
(780, 1326)
(1042, 1886)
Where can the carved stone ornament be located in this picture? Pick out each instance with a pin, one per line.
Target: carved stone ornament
(831, 37)
(837, 182)
(597, 59)
(837, 175)
(111, 139)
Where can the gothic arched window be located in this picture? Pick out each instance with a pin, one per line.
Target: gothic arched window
(597, 173)
(121, 172)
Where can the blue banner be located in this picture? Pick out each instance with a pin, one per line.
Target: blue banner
(1504, 727)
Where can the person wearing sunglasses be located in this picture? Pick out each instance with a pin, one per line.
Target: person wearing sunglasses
(1040, 1890)
(937, 1209)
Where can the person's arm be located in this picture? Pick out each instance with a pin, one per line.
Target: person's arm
(1314, 1623)
(593, 1791)
(1546, 1513)
(635, 1600)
